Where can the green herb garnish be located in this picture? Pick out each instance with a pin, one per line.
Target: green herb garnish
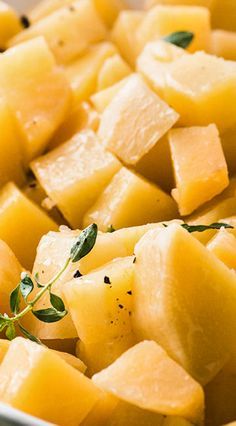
(202, 228)
(81, 247)
(180, 38)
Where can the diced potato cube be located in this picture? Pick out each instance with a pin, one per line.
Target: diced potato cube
(11, 161)
(224, 15)
(154, 62)
(102, 411)
(145, 376)
(161, 21)
(101, 100)
(109, 9)
(128, 414)
(113, 70)
(4, 346)
(176, 421)
(22, 224)
(223, 43)
(46, 7)
(124, 34)
(228, 139)
(179, 288)
(199, 165)
(223, 245)
(83, 73)
(9, 24)
(9, 276)
(68, 31)
(199, 92)
(135, 120)
(82, 117)
(24, 83)
(75, 173)
(100, 303)
(130, 200)
(39, 382)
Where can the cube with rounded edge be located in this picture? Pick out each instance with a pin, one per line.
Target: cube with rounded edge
(199, 165)
(101, 99)
(128, 414)
(161, 21)
(154, 62)
(185, 298)
(130, 200)
(36, 90)
(68, 31)
(37, 381)
(113, 70)
(22, 223)
(9, 23)
(135, 120)
(45, 8)
(223, 245)
(146, 376)
(74, 174)
(223, 43)
(198, 92)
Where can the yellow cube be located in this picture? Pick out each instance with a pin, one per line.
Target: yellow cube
(199, 92)
(4, 346)
(32, 378)
(82, 74)
(100, 100)
(205, 3)
(161, 21)
(135, 120)
(9, 24)
(27, 73)
(224, 15)
(82, 117)
(102, 411)
(68, 31)
(179, 290)
(74, 174)
(9, 276)
(128, 414)
(154, 63)
(124, 34)
(223, 245)
(130, 200)
(45, 8)
(11, 161)
(199, 164)
(113, 70)
(146, 376)
(22, 222)
(223, 43)
(109, 9)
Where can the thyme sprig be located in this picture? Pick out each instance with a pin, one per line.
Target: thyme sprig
(81, 247)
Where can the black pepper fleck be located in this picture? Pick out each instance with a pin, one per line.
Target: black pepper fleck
(134, 261)
(129, 292)
(25, 21)
(72, 8)
(32, 184)
(121, 306)
(107, 280)
(77, 274)
(130, 313)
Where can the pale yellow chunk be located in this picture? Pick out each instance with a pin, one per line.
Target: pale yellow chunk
(128, 414)
(83, 73)
(4, 346)
(135, 120)
(39, 95)
(146, 377)
(223, 245)
(180, 288)
(39, 382)
(223, 43)
(9, 23)
(22, 223)
(130, 200)
(101, 100)
(82, 117)
(199, 165)
(46, 7)
(68, 31)
(204, 3)
(11, 161)
(75, 173)
(113, 70)
(162, 20)
(199, 92)
(224, 15)
(154, 63)
(109, 9)
(124, 34)
(100, 303)
(103, 410)
(10, 272)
